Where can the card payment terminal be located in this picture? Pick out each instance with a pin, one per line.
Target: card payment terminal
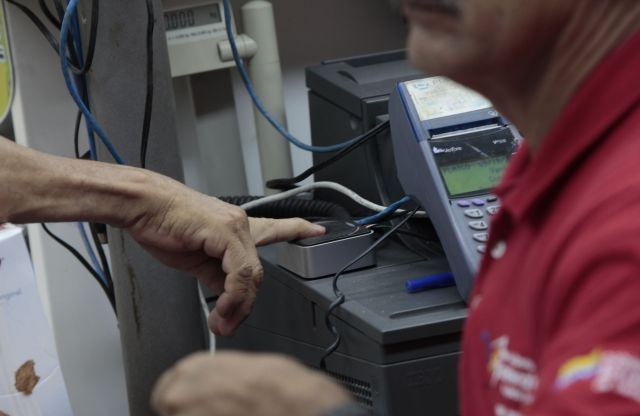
(451, 148)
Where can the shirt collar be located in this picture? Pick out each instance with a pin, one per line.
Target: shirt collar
(602, 101)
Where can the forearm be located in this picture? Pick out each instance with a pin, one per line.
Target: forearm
(36, 187)
(347, 409)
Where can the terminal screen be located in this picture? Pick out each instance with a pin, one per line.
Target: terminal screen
(473, 176)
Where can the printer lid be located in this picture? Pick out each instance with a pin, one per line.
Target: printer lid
(351, 81)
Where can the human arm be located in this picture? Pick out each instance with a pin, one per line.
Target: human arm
(590, 364)
(184, 229)
(237, 384)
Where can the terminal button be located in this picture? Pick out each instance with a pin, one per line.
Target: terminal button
(481, 237)
(464, 204)
(492, 199)
(493, 210)
(474, 213)
(478, 202)
(479, 225)
(482, 248)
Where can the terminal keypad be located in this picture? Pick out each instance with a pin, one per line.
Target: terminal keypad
(474, 213)
(477, 213)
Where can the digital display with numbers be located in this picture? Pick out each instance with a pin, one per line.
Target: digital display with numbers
(192, 17)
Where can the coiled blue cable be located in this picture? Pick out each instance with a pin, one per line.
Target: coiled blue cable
(67, 21)
(260, 106)
(384, 214)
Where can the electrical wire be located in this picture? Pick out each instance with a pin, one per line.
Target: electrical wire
(93, 228)
(101, 266)
(71, 46)
(326, 185)
(69, 15)
(76, 135)
(381, 227)
(79, 76)
(49, 14)
(93, 36)
(340, 297)
(288, 183)
(92, 255)
(258, 102)
(59, 9)
(51, 39)
(100, 269)
(148, 106)
(38, 23)
(391, 209)
(107, 291)
(431, 247)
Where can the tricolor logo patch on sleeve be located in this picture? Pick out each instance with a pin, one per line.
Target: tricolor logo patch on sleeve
(583, 367)
(609, 372)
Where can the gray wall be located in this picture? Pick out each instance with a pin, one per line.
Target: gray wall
(309, 31)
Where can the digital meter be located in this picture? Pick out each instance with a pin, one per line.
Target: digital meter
(451, 148)
(194, 28)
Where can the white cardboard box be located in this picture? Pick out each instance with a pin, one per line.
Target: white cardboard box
(25, 335)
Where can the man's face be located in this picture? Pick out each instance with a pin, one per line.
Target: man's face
(478, 42)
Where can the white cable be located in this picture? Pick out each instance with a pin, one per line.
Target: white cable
(325, 184)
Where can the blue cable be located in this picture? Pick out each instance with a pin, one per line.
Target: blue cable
(383, 214)
(260, 106)
(80, 80)
(69, 15)
(92, 254)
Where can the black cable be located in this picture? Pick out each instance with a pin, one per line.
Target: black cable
(93, 228)
(51, 39)
(404, 232)
(93, 36)
(38, 23)
(288, 183)
(107, 287)
(59, 9)
(290, 207)
(340, 297)
(49, 14)
(76, 135)
(107, 291)
(430, 247)
(148, 106)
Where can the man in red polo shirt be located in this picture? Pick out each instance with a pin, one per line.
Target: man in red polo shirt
(554, 324)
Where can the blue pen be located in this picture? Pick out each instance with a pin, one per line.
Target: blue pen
(430, 282)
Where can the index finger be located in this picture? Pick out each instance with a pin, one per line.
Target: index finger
(267, 230)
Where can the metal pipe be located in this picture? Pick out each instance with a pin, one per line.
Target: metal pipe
(266, 74)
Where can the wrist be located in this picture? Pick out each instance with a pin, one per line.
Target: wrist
(55, 189)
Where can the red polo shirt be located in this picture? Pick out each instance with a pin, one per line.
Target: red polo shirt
(554, 325)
